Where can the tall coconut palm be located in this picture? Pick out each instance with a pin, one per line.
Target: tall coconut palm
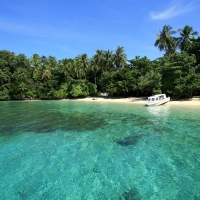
(35, 64)
(85, 64)
(99, 59)
(44, 60)
(109, 57)
(94, 68)
(78, 68)
(46, 70)
(187, 34)
(52, 62)
(35, 60)
(66, 66)
(119, 57)
(165, 42)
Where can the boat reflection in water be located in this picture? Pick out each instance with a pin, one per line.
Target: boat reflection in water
(159, 111)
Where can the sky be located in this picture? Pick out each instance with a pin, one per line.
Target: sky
(68, 28)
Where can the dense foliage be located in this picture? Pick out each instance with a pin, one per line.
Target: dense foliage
(177, 73)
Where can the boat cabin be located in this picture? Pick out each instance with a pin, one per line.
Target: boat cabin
(157, 97)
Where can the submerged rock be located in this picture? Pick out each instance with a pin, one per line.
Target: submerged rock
(22, 194)
(130, 195)
(130, 140)
(95, 170)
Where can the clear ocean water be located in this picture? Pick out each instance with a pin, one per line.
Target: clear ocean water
(81, 150)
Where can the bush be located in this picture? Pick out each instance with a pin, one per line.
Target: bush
(63, 92)
(82, 88)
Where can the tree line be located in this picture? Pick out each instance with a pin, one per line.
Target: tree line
(177, 73)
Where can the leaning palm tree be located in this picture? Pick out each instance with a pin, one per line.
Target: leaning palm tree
(187, 34)
(165, 42)
(119, 57)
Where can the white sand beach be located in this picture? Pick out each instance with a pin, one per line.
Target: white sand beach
(134, 100)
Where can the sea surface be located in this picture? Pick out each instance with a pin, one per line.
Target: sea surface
(92, 150)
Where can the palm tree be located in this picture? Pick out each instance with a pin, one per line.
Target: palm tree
(46, 70)
(108, 57)
(165, 41)
(94, 68)
(66, 66)
(22, 89)
(36, 63)
(52, 63)
(187, 34)
(77, 68)
(119, 57)
(85, 64)
(99, 59)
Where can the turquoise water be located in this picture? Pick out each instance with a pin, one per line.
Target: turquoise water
(78, 150)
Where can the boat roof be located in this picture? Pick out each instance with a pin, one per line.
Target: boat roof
(156, 95)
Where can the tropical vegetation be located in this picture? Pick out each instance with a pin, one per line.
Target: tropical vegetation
(177, 73)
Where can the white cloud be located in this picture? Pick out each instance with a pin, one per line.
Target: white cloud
(173, 11)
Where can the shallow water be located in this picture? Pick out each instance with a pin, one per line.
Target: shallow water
(79, 150)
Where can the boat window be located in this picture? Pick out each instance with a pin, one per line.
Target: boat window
(156, 99)
(153, 99)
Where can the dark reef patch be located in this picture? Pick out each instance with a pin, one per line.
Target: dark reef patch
(51, 122)
(95, 170)
(131, 194)
(130, 140)
(22, 194)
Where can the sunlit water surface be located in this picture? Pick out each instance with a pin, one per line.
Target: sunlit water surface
(78, 150)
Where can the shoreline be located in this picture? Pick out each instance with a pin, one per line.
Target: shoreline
(195, 102)
(133, 100)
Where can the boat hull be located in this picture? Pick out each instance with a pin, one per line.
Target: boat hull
(158, 103)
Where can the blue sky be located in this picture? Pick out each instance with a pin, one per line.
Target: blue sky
(66, 28)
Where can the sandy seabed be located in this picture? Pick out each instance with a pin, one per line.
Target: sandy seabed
(133, 100)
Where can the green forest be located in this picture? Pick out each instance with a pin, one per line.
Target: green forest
(177, 73)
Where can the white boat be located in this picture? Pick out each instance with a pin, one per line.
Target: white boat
(157, 100)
